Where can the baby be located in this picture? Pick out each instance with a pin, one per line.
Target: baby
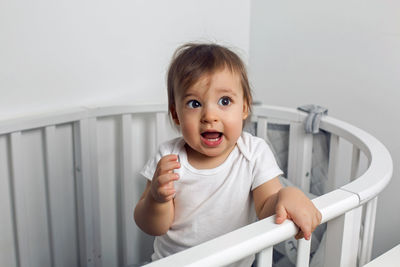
(215, 178)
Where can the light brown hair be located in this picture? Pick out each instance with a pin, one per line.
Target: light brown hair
(191, 61)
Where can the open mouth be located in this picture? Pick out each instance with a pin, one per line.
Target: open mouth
(212, 138)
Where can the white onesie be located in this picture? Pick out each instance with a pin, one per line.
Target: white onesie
(212, 202)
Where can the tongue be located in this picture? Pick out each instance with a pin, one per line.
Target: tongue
(211, 135)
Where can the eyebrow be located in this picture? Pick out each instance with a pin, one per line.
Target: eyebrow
(227, 90)
(219, 90)
(188, 95)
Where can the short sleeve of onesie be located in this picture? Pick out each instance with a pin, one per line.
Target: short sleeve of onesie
(263, 164)
(169, 147)
(151, 165)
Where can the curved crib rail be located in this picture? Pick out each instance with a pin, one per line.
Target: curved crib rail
(380, 167)
(340, 207)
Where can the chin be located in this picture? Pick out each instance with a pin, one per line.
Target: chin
(213, 152)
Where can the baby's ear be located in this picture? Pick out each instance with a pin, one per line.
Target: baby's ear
(245, 110)
(174, 116)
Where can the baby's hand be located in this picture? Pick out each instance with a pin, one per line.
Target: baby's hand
(162, 186)
(294, 205)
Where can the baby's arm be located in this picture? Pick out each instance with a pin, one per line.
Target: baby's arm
(154, 212)
(287, 203)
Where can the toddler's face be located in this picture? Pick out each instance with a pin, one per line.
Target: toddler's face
(211, 113)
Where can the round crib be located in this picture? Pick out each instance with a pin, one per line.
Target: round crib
(69, 182)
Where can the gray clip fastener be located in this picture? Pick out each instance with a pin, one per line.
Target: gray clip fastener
(313, 119)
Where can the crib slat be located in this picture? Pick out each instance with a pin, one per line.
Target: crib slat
(31, 217)
(126, 234)
(300, 156)
(81, 148)
(8, 243)
(160, 127)
(20, 211)
(87, 192)
(303, 253)
(264, 257)
(59, 198)
(342, 238)
(53, 205)
(262, 128)
(95, 190)
(355, 163)
(368, 231)
(333, 160)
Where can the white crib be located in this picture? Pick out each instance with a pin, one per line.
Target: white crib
(69, 182)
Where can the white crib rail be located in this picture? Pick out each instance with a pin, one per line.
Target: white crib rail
(256, 237)
(341, 207)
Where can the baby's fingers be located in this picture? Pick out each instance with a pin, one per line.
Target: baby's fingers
(305, 227)
(165, 194)
(167, 164)
(316, 221)
(166, 179)
(163, 187)
(318, 218)
(299, 235)
(306, 232)
(281, 214)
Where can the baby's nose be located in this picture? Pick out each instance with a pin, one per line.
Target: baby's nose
(209, 115)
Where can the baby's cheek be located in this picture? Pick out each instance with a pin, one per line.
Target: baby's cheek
(234, 127)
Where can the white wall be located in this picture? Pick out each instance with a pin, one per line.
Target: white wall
(58, 54)
(344, 55)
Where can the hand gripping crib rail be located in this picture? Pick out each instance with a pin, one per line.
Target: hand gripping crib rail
(68, 184)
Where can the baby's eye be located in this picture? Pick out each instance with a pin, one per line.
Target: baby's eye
(224, 101)
(193, 104)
